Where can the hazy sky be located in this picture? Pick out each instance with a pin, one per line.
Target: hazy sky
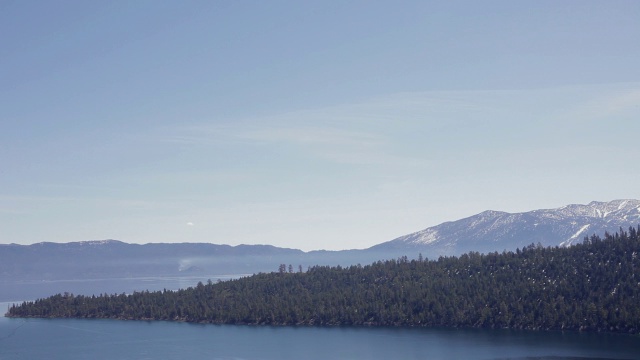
(308, 124)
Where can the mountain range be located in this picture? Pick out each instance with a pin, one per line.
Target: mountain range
(485, 232)
(491, 230)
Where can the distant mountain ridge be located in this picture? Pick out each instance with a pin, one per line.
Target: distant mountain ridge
(491, 230)
(67, 266)
(114, 258)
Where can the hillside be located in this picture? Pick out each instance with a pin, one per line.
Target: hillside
(590, 286)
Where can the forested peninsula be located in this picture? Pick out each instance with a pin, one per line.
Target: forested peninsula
(592, 286)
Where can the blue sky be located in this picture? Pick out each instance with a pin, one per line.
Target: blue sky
(312, 125)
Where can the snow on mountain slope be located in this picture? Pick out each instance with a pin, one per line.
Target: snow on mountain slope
(496, 231)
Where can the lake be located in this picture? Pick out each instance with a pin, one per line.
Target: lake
(34, 289)
(114, 339)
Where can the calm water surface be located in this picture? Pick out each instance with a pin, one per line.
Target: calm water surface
(34, 289)
(114, 339)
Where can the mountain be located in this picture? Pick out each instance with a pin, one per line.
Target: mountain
(488, 231)
(113, 258)
(497, 231)
(31, 271)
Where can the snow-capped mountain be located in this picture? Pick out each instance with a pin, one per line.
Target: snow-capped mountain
(496, 231)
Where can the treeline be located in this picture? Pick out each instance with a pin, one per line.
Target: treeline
(591, 286)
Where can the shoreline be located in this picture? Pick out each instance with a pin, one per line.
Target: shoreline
(331, 325)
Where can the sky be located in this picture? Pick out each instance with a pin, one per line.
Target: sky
(308, 124)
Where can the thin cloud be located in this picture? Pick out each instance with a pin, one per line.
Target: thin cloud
(408, 130)
(128, 203)
(596, 103)
(628, 100)
(315, 136)
(12, 211)
(330, 144)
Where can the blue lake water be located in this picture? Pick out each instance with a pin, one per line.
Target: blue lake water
(34, 289)
(115, 339)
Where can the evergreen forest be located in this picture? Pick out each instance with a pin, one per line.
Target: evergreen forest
(591, 286)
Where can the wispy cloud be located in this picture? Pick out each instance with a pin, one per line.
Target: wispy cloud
(12, 211)
(332, 144)
(326, 142)
(620, 102)
(192, 135)
(595, 103)
(25, 204)
(315, 136)
(412, 129)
